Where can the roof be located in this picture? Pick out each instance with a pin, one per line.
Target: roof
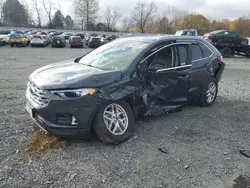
(218, 31)
(163, 38)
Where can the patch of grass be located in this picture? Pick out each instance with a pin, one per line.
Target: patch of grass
(43, 143)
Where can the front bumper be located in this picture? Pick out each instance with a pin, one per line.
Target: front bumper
(57, 117)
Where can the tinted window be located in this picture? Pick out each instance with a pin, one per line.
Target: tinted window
(224, 33)
(182, 54)
(206, 52)
(196, 52)
(3, 32)
(56, 38)
(37, 37)
(233, 34)
(76, 38)
(95, 39)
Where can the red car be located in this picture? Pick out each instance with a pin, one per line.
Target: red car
(76, 42)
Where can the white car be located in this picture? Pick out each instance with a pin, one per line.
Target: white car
(38, 40)
(4, 36)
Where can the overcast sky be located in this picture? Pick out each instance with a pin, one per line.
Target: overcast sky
(212, 9)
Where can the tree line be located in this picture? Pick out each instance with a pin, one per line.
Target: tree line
(144, 18)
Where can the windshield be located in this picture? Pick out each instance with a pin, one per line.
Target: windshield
(115, 55)
(37, 37)
(95, 39)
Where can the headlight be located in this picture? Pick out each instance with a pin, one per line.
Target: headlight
(72, 94)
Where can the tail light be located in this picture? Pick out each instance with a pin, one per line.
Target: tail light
(220, 59)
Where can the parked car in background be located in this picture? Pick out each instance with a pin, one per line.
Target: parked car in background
(4, 36)
(41, 33)
(76, 42)
(95, 42)
(16, 39)
(47, 38)
(38, 40)
(58, 41)
(2, 43)
(221, 37)
(67, 35)
(112, 37)
(82, 35)
(186, 32)
(103, 40)
(107, 89)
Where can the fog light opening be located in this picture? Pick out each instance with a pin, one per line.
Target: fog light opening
(74, 122)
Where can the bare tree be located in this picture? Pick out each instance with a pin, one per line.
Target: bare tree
(142, 15)
(59, 5)
(169, 19)
(35, 5)
(112, 16)
(29, 13)
(87, 11)
(126, 24)
(1, 13)
(48, 6)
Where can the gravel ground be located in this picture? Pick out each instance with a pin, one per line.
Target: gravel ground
(202, 143)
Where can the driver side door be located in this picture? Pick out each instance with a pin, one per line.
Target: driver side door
(168, 79)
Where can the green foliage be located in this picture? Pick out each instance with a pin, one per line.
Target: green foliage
(58, 20)
(69, 22)
(14, 13)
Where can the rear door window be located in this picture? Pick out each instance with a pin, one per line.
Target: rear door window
(196, 52)
(206, 52)
(233, 34)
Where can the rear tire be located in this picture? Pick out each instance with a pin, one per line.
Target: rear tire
(226, 52)
(117, 113)
(210, 90)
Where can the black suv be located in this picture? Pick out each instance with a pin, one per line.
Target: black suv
(221, 37)
(58, 41)
(95, 42)
(107, 89)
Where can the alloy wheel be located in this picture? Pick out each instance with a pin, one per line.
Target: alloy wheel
(115, 119)
(211, 92)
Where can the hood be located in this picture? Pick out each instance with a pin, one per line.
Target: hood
(71, 75)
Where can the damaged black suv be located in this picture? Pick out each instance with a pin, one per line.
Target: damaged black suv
(108, 88)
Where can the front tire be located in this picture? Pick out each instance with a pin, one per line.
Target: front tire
(114, 123)
(209, 93)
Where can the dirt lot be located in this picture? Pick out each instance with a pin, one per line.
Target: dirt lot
(203, 143)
